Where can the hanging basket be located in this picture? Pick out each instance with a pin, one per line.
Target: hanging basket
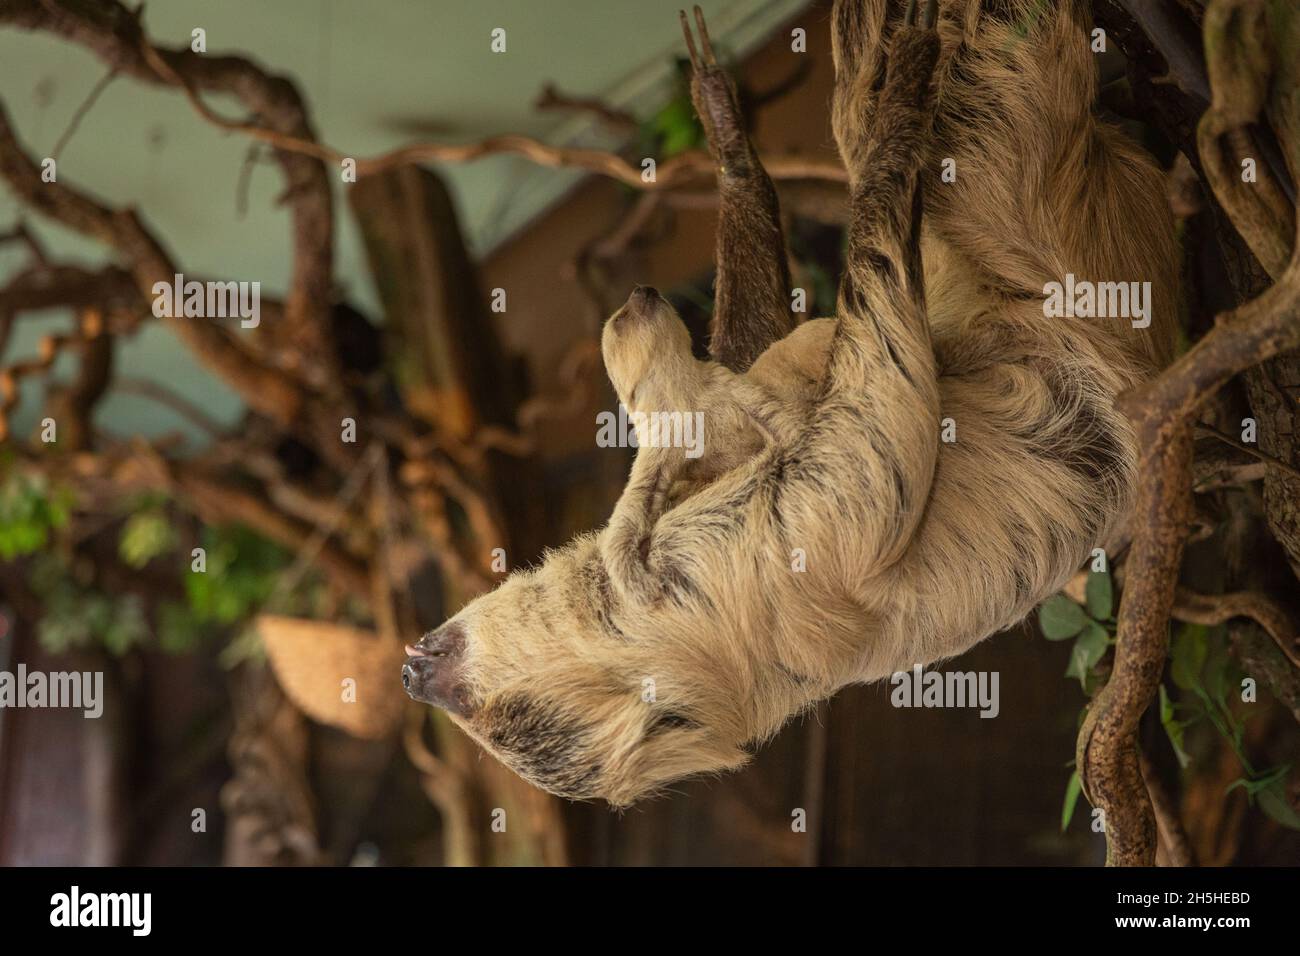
(342, 676)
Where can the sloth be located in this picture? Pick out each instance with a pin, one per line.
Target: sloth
(881, 488)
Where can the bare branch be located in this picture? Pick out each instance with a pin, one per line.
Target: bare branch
(1215, 609)
(81, 112)
(553, 100)
(262, 388)
(114, 34)
(177, 403)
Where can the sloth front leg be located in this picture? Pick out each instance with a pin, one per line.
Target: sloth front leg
(627, 542)
(664, 475)
(874, 441)
(751, 308)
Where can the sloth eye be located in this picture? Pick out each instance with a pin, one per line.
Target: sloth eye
(670, 720)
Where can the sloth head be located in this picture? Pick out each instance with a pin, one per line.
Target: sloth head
(539, 673)
(647, 351)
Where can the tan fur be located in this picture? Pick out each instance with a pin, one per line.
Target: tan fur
(680, 635)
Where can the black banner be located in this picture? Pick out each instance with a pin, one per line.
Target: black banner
(429, 908)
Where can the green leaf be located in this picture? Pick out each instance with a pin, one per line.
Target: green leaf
(145, 535)
(29, 512)
(1088, 650)
(1260, 782)
(127, 625)
(1173, 729)
(676, 126)
(1220, 673)
(178, 630)
(1072, 791)
(1273, 801)
(1060, 618)
(1188, 651)
(1100, 595)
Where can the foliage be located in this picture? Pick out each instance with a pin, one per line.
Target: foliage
(147, 532)
(1092, 627)
(30, 511)
(77, 615)
(241, 572)
(1201, 668)
(242, 568)
(1073, 787)
(674, 129)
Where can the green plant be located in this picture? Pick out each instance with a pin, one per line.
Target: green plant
(30, 511)
(1200, 666)
(78, 615)
(1092, 627)
(147, 532)
(241, 572)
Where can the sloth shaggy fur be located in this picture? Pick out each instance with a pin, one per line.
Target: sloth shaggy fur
(681, 635)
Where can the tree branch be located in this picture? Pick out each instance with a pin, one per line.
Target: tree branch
(262, 388)
(114, 34)
(1162, 412)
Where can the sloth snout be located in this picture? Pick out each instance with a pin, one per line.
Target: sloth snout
(644, 296)
(433, 672)
(641, 304)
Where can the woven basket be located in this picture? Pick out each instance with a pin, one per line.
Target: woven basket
(312, 659)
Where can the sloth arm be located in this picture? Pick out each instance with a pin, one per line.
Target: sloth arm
(751, 308)
(739, 414)
(627, 540)
(870, 452)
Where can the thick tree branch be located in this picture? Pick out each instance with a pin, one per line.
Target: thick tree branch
(1241, 56)
(1162, 412)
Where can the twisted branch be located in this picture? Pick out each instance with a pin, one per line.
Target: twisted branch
(1162, 413)
(114, 34)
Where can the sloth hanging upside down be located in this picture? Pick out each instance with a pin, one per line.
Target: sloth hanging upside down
(828, 536)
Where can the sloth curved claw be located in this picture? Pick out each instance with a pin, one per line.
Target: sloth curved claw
(709, 58)
(690, 40)
(698, 62)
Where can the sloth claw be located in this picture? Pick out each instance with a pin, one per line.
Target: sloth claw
(714, 97)
(698, 62)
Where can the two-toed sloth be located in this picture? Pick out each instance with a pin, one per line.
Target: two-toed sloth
(830, 534)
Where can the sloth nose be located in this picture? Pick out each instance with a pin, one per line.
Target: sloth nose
(644, 295)
(433, 669)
